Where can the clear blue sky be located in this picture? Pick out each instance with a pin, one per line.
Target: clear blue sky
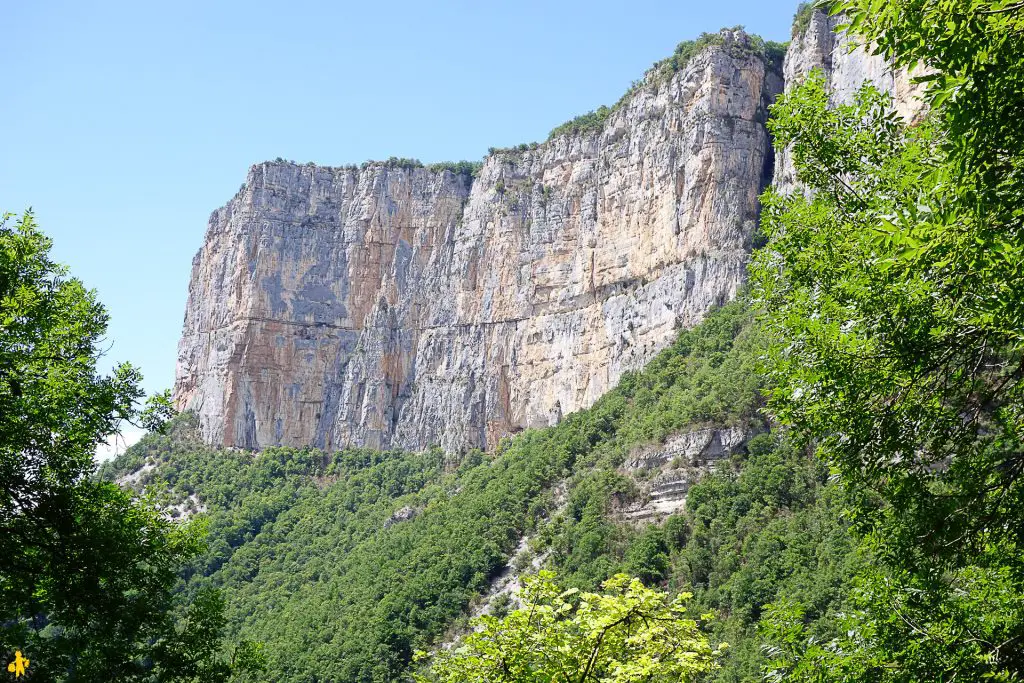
(124, 124)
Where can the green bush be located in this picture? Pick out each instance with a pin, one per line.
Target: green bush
(591, 121)
(464, 168)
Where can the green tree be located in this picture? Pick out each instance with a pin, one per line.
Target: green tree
(647, 557)
(87, 572)
(191, 652)
(628, 633)
(158, 412)
(893, 298)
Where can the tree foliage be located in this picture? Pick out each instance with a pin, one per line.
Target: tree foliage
(893, 291)
(54, 407)
(87, 572)
(627, 634)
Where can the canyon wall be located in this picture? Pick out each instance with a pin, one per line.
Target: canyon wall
(399, 306)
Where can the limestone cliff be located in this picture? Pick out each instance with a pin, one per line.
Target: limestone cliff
(845, 66)
(400, 306)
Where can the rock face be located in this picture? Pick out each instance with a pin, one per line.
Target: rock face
(694, 447)
(399, 306)
(845, 66)
(664, 473)
(402, 307)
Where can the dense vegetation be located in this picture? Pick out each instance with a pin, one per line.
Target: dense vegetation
(627, 633)
(893, 302)
(344, 564)
(87, 571)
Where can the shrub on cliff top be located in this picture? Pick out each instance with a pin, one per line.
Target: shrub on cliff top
(592, 120)
(804, 12)
(522, 147)
(802, 18)
(393, 162)
(467, 168)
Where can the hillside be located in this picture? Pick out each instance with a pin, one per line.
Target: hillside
(344, 563)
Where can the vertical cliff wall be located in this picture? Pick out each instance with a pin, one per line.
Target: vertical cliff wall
(399, 306)
(845, 66)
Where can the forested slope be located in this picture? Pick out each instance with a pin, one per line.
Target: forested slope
(343, 564)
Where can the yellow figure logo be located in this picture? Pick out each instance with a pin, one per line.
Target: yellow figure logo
(18, 666)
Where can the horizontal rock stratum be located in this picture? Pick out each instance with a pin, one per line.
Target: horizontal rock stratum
(400, 306)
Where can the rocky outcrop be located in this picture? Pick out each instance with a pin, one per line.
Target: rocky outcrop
(402, 514)
(845, 66)
(695, 447)
(394, 306)
(665, 472)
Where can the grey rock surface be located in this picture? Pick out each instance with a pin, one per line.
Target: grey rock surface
(404, 307)
(696, 447)
(845, 65)
(665, 472)
(392, 306)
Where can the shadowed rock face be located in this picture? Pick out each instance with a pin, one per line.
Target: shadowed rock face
(406, 307)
